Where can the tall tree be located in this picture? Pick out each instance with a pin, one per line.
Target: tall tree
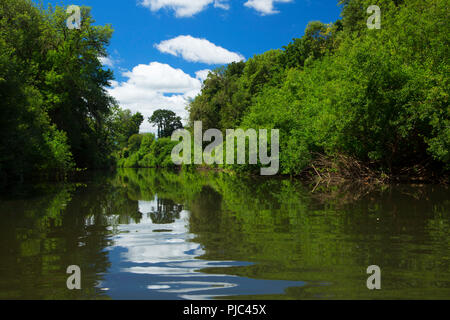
(74, 81)
(55, 107)
(166, 121)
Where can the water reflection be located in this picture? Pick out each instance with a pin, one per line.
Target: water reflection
(143, 234)
(163, 263)
(166, 211)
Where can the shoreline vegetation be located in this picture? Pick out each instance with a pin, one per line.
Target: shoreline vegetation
(351, 104)
(339, 170)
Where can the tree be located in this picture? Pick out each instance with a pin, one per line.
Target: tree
(121, 125)
(134, 143)
(166, 121)
(52, 91)
(73, 81)
(29, 142)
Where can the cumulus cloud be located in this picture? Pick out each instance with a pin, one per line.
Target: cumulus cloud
(198, 50)
(156, 86)
(184, 8)
(264, 7)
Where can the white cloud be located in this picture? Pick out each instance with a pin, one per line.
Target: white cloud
(198, 50)
(184, 8)
(264, 7)
(222, 4)
(156, 86)
(202, 74)
(106, 61)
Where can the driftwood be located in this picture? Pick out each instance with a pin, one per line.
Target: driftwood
(340, 169)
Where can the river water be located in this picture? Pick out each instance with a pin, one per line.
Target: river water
(147, 234)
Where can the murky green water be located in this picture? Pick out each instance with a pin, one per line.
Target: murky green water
(143, 234)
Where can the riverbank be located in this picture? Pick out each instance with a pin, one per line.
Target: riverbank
(338, 171)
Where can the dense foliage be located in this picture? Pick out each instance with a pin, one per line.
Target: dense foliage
(56, 113)
(377, 96)
(145, 151)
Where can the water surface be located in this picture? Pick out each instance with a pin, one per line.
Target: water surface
(147, 234)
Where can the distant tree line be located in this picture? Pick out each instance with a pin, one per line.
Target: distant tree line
(145, 150)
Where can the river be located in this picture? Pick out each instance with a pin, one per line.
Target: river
(148, 234)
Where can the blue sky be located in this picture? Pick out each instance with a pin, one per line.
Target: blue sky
(161, 49)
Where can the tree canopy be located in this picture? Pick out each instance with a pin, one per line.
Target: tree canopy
(56, 112)
(52, 90)
(166, 121)
(377, 96)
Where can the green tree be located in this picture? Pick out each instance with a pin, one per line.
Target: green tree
(73, 83)
(166, 121)
(122, 124)
(134, 143)
(55, 107)
(30, 143)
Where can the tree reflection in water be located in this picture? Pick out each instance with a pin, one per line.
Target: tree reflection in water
(149, 234)
(166, 212)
